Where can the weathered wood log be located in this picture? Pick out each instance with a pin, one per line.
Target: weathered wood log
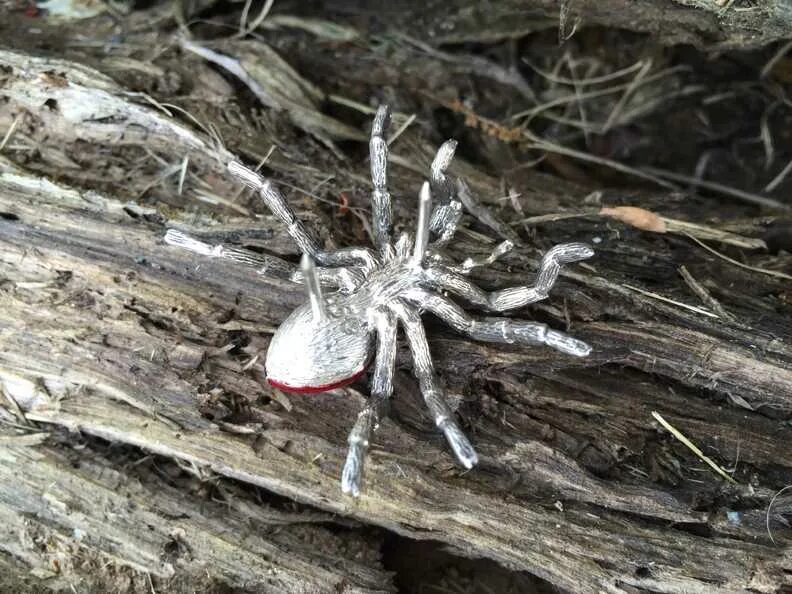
(107, 333)
(700, 22)
(58, 506)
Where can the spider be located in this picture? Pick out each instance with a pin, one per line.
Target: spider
(329, 341)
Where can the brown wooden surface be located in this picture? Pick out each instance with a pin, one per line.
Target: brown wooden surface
(137, 436)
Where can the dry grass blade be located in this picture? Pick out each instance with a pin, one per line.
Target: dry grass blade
(278, 86)
(400, 130)
(324, 29)
(476, 65)
(716, 187)
(775, 273)
(549, 218)
(551, 147)
(769, 509)
(13, 404)
(10, 132)
(244, 29)
(768, 67)
(705, 232)
(693, 448)
(766, 135)
(234, 67)
(555, 78)
(584, 96)
(352, 104)
(634, 84)
(776, 181)
(23, 439)
(692, 308)
(183, 174)
(703, 294)
(216, 199)
(646, 220)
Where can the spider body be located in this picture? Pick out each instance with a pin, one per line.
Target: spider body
(332, 339)
(316, 353)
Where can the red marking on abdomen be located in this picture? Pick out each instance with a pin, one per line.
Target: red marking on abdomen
(315, 389)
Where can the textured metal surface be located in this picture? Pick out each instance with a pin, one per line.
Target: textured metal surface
(330, 340)
(513, 297)
(369, 418)
(262, 263)
(382, 219)
(430, 388)
(442, 184)
(306, 352)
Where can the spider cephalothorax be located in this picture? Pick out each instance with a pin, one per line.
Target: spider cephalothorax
(330, 341)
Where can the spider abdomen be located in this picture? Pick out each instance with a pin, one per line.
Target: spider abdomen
(311, 356)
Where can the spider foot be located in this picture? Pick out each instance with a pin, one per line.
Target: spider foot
(459, 442)
(567, 344)
(536, 333)
(352, 475)
(566, 253)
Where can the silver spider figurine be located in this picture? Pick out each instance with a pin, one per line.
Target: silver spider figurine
(328, 341)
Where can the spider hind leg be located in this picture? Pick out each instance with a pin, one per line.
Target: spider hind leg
(430, 388)
(369, 417)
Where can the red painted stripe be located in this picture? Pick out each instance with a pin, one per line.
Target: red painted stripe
(315, 389)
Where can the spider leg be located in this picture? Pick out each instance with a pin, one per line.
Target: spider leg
(504, 247)
(380, 198)
(368, 419)
(430, 388)
(442, 184)
(344, 278)
(503, 330)
(448, 212)
(296, 228)
(278, 205)
(513, 297)
(444, 222)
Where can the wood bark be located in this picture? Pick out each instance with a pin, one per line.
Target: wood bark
(109, 338)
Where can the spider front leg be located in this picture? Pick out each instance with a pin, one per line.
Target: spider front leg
(382, 217)
(346, 279)
(263, 264)
(502, 330)
(296, 228)
(369, 418)
(430, 388)
(513, 297)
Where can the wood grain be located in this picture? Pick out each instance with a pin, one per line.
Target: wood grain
(107, 336)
